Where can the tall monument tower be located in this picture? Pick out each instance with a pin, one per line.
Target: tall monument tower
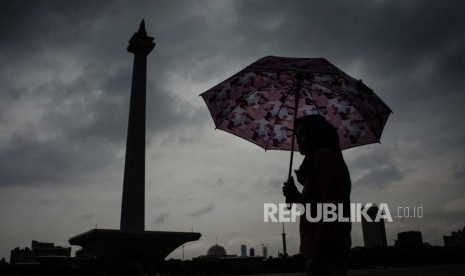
(133, 203)
(131, 247)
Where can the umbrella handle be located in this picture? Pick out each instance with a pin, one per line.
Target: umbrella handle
(289, 201)
(296, 106)
(290, 180)
(289, 175)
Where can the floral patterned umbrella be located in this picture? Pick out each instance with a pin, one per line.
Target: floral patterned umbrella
(261, 103)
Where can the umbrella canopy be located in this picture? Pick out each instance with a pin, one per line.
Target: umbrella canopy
(261, 102)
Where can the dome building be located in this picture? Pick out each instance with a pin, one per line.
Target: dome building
(216, 251)
(218, 262)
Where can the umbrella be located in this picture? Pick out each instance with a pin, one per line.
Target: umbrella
(261, 102)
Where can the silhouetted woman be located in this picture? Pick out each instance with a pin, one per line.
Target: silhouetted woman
(326, 179)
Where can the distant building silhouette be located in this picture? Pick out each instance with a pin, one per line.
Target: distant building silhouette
(39, 249)
(264, 252)
(456, 239)
(218, 262)
(252, 252)
(243, 250)
(18, 255)
(409, 239)
(284, 243)
(374, 233)
(216, 252)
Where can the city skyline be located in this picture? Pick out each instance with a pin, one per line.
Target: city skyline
(408, 239)
(64, 98)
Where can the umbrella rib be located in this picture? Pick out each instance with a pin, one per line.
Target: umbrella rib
(239, 100)
(275, 119)
(310, 97)
(369, 122)
(286, 86)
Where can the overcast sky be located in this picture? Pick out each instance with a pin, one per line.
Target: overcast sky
(65, 78)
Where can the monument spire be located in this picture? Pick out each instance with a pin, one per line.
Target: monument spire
(142, 30)
(133, 203)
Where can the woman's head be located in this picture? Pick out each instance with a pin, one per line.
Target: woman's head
(313, 132)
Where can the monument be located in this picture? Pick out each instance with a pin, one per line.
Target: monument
(133, 204)
(131, 246)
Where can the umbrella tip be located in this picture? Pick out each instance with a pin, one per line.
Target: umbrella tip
(361, 86)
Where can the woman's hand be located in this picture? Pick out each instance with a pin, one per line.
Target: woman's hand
(290, 192)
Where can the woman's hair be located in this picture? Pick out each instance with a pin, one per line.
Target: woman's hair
(320, 133)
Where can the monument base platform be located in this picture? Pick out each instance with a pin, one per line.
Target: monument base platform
(131, 248)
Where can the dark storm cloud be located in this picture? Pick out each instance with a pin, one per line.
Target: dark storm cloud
(377, 169)
(202, 211)
(460, 175)
(87, 217)
(380, 176)
(161, 218)
(391, 38)
(165, 115)
(90, 127)
(28, 161)
(85, 119)
(82, 128)
(30, 24)
(450, 67)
